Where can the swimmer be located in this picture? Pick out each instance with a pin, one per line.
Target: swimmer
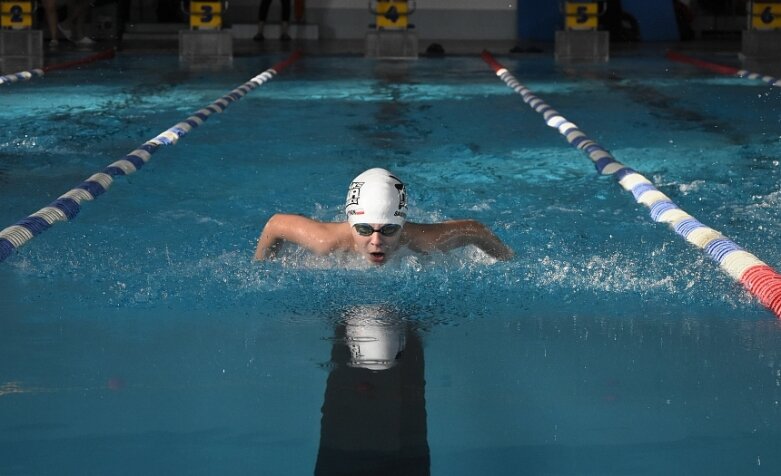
(376, 227)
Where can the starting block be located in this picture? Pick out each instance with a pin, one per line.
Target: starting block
(21, 47)
(206, 42)
(390, 36)
(762, 39)
(581, 40)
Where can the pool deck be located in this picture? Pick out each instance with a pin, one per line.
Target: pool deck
(725, 51)
(164, 39)
(352, 47)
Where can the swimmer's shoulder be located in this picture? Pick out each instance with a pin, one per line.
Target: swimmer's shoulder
(337, 235)
(333, 236)
(418, 236)
(298, 220)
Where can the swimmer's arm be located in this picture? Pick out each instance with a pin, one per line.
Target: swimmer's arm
(318, 237)
(450, 235)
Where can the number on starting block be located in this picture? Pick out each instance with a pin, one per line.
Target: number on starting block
(581, 15)
(16, 15)
(392, 15)
(206, 15)
(765, 15)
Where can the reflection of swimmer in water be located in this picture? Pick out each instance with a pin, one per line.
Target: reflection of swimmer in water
(374, 411)
(376, 226)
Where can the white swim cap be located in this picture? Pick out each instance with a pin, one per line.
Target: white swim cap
(375, 337)
(376, 196)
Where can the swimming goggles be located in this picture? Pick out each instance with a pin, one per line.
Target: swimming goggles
(364, 229)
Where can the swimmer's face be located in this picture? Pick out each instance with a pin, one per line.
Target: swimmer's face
(376, 241)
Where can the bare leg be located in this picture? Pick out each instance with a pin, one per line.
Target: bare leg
(77, 14)
(262, 14)
(283, 33)
(285, 20)
(50, 7)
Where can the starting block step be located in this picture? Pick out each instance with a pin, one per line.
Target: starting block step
(207, 44)
(765, 44)
(20, 50)
(392, 44)
(582, 45)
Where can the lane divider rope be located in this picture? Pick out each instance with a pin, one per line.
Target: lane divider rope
(68, 205)
(21, 76)
(721, 69)
(39, 72)
(762, 281)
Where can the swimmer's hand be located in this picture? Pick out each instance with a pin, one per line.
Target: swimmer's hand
(501, 252)
(492, 245)
(270, 239)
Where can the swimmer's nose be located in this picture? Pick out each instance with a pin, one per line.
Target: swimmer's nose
(377, 239)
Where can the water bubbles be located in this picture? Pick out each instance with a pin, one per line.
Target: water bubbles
(694, 186)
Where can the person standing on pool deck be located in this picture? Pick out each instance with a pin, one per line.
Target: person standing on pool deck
(376, 226)
(263, 14)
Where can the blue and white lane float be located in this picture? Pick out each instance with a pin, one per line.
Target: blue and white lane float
(757, 277)
(21, 76)
(68, 205)
(39, 72)
(721, 69)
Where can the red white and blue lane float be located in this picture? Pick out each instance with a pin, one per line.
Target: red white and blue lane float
(761, 280)
(108, 53)
(68, 205)
(722, 69)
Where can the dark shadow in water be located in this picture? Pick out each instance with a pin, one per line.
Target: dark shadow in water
(398, 128)
(374, 413)
(664, 107)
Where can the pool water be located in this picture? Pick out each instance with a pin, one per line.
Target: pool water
(141, 338)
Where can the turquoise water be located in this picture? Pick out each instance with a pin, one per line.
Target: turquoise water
(140, 338)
